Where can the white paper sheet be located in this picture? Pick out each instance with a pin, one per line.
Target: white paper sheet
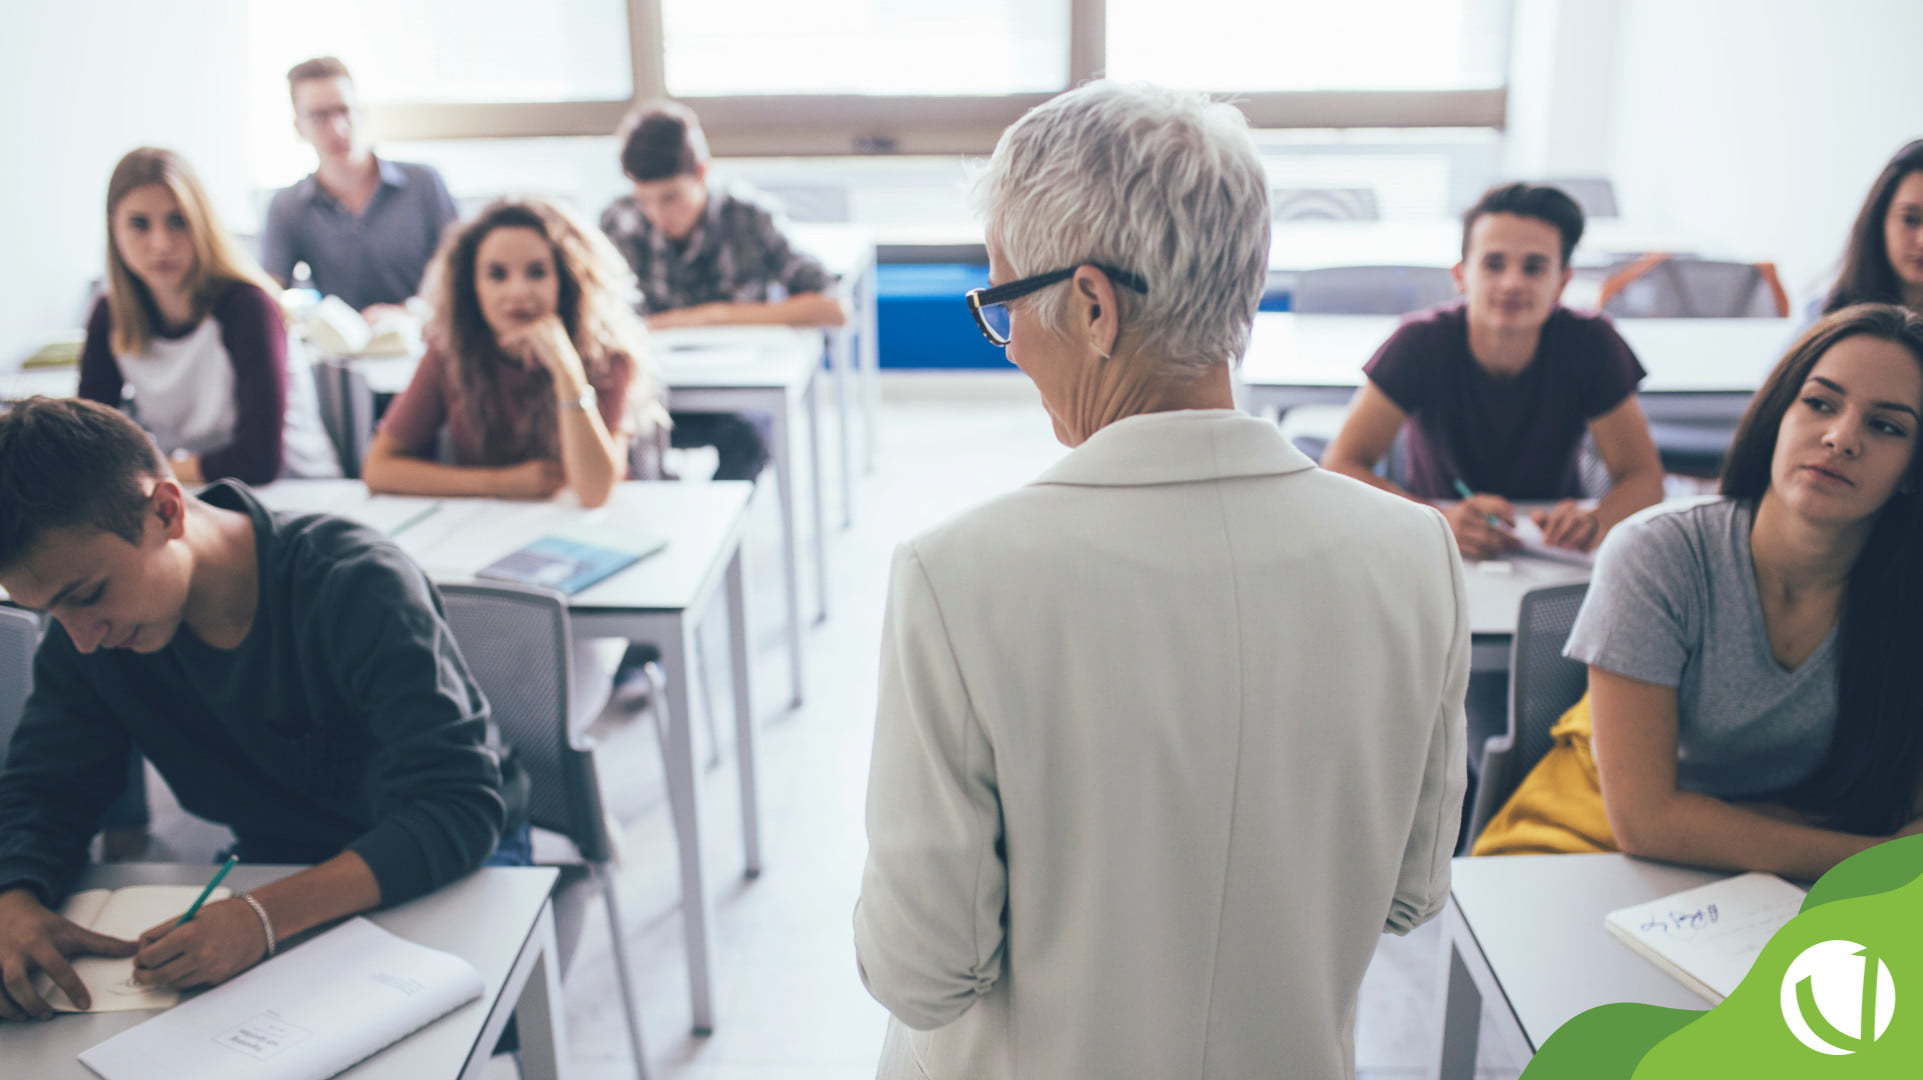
(1708, 937)
(307, 1014)
(126, 914)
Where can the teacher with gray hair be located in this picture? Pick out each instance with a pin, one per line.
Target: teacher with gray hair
(1169, 736)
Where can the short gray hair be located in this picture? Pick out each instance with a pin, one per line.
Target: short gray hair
(1160, 182)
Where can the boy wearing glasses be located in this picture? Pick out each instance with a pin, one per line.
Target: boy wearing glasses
(365, 226)
(705, 255)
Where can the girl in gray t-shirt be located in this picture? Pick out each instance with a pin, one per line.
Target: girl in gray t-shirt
(1753, 660)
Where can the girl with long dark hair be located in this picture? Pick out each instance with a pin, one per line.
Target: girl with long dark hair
(1753, 698)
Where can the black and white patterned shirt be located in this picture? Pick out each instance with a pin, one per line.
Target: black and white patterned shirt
(737, 253)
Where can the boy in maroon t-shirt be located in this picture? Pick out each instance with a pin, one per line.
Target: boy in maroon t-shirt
(1499, 387)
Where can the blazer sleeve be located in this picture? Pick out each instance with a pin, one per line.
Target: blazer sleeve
(929, 924)
(1422, 886)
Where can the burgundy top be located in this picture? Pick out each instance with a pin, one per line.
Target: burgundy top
(430, 402)
(1516, 436)
(255, 337)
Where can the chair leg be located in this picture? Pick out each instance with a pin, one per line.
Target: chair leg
(630, 1007)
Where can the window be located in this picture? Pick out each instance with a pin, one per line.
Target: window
(1282, 45)
(898, 47)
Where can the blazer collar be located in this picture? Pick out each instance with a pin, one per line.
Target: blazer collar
(1178, 447)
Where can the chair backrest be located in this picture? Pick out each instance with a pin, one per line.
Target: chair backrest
(19, 638)
(1323, 204)
(1542, 686)
(1595, 194)
(1370, 290)
(519, 648)
(347, 411)
(1661, 286)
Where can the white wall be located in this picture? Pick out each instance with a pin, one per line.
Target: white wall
(84, 81)
(1562, 69)
(1760, 123)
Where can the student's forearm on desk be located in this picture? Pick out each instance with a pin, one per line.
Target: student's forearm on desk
(1701, 830)
(343, 885)
(400, 474)
(806, 309)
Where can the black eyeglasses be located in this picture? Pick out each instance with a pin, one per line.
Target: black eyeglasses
(989, 305)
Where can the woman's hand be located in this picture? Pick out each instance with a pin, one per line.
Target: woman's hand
(222, 941)
(1469, 520)
(1568, 525)
(545, 341)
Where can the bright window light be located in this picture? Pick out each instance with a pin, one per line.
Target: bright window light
(1271, 45)
(744, 47)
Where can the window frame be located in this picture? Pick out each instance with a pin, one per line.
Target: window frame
(812, 125)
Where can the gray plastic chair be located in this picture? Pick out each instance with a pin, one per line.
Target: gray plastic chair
(519, 647)
(1370, 290)
(1542, 686)
(1323, 204)
(1688, 288)
(19, 638)
(347, 411)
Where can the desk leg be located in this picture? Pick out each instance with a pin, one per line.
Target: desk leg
(744, 717)
(870, 359)
(676, 648)
(791, 557)
(540, 1013)
(841, 355)
(820, 496)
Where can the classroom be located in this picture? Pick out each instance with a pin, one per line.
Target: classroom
(1070, 539)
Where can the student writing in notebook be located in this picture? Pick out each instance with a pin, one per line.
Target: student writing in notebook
(189, 330)
(365, 225)
(708, 255)
(1498, 389)
(1753, 699)
(289, 674)
(535, 369)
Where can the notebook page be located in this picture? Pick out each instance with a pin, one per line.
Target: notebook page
(1713, 932)
(307, 1014)
(123, 913)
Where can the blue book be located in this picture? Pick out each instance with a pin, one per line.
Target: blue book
(568, 566)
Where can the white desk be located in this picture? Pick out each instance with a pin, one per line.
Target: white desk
(497, 919)
(659, 600)
(764, 369)
(1697, 368)
(1526, 941)
(48, 382)
(848, 252)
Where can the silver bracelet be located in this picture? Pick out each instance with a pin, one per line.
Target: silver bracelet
(266, 924)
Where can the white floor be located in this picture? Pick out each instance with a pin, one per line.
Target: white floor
(788, 1003)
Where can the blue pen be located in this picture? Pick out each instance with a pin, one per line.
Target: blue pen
(1462, 489)
(209, 890)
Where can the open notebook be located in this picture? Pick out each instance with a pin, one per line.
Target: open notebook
(304, 1015)
(1708, 937)
(122, 913)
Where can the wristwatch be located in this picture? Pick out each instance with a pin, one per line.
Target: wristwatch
(586, 402)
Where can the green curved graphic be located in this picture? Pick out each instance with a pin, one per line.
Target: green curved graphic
(1873, 899)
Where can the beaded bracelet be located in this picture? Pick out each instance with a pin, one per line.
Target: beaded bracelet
(266, 924)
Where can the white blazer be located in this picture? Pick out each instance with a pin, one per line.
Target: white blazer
(1166, 739)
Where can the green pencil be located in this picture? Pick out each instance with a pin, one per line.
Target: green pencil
(209, 890)
(1462, 489)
